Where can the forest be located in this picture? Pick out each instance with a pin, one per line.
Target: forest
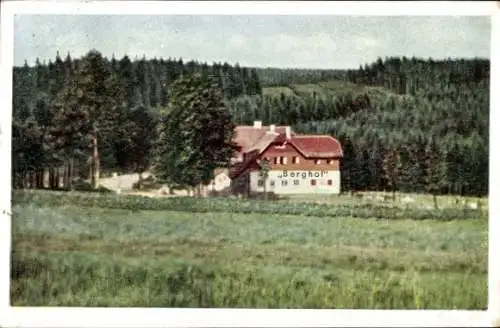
(407, 124)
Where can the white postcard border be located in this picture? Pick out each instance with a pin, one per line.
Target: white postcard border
(136, 317)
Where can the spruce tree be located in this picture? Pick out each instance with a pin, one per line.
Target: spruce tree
(195, 134)
(85, 112)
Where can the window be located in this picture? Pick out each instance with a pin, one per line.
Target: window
(296, 182)
(330, 161)
(276, 160)
(284, 183)
(283, 160)
(313, 182)
(317, 161)
(271, 183)
(260, 183)
(296, 160)
(329, 182)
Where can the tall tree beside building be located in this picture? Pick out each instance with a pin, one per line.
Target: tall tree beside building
(264, 173)
(195, 133)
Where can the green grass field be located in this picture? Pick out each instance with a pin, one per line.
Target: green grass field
(78, 249)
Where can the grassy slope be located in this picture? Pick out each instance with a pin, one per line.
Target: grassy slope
(323, 89)
(69, 255)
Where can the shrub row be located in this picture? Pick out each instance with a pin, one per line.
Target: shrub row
(233, 205)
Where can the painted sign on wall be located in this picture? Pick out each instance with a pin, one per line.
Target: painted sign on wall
(297, 181)
(302, 174)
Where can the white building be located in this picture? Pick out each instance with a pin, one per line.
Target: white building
(297, 164)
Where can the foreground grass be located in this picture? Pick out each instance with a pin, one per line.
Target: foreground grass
(57, 279)
(89, 256)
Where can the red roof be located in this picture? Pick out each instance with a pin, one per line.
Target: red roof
(317, 146)
(253, 141)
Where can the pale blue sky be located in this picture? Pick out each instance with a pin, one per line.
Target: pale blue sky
(263, 41)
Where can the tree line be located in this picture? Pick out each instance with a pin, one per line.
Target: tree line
(65, 110)
(412, 125)
(405, 124)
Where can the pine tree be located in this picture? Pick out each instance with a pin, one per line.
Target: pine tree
(143, 75)
(128, 78)
(141, 129)
(195, 134)
(435, 172)
(85, 112)
(392, 169)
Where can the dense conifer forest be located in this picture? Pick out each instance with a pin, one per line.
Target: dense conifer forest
(408, 124)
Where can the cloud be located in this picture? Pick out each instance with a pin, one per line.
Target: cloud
(364, 42)
(284, 41)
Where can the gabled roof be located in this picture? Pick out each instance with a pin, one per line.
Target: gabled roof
(321, 146)
(247, 136)
(264, 142)
(239, 168)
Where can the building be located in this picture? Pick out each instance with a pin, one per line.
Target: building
(248, 136)
(221, 180)
(298, 164)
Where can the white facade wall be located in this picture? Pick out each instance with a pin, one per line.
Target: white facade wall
(297, 182)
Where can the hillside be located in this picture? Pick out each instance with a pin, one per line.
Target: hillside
(405, 124)
(324, 89)
(269, 77)
(408, 125)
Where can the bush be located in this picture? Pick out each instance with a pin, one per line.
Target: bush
(84, 186)
(81, 186)
(149, 183)
(232, 205)
(262, 196)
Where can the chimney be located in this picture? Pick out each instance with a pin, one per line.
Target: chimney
(288, 131)
(257, 124)
(272, 128)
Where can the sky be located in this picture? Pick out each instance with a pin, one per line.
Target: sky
(327, 42)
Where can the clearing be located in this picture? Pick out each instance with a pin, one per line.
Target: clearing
(117, 253)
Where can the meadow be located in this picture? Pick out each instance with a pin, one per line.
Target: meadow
(332, 88)
(86, 249)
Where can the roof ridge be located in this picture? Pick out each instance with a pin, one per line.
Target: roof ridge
(312, 136)
(303, 148)
(253, 127)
